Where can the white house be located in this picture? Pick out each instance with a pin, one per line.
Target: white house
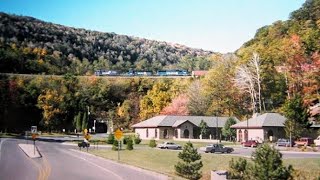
(268, 126)
(178, 127)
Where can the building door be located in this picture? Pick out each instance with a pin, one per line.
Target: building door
(270, 135)
(165, 134)
(240, 136)
(186, 133)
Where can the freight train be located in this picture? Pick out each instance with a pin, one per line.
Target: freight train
(176, 72)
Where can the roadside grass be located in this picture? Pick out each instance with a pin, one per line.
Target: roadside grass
(306, 168)
(9, 135)
(163, 161)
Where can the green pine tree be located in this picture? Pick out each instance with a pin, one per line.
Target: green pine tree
(84, 121)
(227, 131)
(78, 121)
(191, 162)
(267, 164)
(297, 117)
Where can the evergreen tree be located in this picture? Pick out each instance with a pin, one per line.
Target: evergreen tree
(238, 169)
(268, 164)
(227, 131)
(191, 163)
(78, 121)
(297, 117)
(204, 129)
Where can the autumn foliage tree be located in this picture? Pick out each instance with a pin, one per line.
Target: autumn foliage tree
(178, 106)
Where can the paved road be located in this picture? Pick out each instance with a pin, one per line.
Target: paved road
(14, 164)
(63, 162)
(247, 152)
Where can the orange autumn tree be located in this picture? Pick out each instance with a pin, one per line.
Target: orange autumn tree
(303, 70)
(178, 106)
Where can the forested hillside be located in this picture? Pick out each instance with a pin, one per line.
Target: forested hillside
(290, 51)
(29, 45)
(280, 66)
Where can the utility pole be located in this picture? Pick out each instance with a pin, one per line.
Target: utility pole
(217, 128)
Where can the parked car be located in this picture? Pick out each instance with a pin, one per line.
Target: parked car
(317, 141)
(284, 142)
(212, 148)
(169, 145)
(250, 143)
(304, 141)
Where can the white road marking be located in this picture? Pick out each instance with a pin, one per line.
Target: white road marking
(102, 168)
(1, 141)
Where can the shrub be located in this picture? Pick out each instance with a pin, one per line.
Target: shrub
(110, 139)
(129, 144)
(137, 139)
(115, 145)
(152, 143)
(125, 139)
(191, 163)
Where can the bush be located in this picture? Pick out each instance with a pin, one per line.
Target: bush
(152, 143)
(125, 139)
(110, 139)
(115, 145)
(129, 144)
(137, 139)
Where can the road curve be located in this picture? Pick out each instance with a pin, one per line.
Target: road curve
(63, 162)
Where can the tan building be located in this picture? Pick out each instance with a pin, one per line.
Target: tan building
(265, 127)
(179, 127)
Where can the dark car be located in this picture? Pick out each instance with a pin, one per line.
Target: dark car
(83, 144)
(284, 142)
(250, 143)
(169, 145)
(218, 148)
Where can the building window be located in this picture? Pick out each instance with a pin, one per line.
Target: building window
(240, 136)
(176, 133)
(147, 132)
(155, 133)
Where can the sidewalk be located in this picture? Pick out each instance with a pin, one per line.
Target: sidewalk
(30, 150)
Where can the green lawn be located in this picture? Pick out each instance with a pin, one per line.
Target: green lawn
(163, 161)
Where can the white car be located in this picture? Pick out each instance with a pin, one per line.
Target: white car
(317, 141)
(169, 145)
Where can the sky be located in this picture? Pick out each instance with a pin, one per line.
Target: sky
(216, 25)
